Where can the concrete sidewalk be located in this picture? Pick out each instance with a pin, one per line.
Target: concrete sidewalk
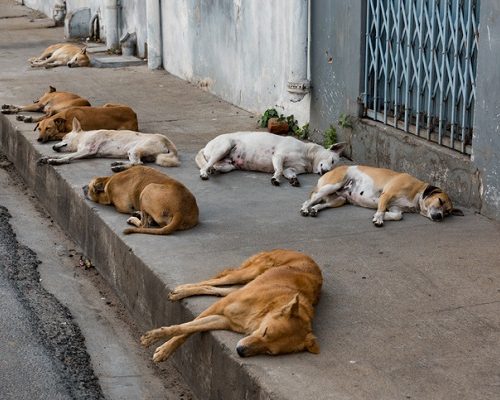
(408, 311)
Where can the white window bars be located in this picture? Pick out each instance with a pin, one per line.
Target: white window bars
(420, 67)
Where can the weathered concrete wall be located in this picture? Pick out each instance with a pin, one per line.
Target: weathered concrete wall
(237, 49)
(45, 6)
(336, 61)
(486, 139)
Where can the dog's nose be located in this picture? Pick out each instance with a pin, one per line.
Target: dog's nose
(55, 148)
(437, 217)
(70, 65)
(85, 190)
(241, 350)
(40, 139)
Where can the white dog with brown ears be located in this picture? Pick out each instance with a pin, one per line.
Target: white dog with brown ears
(137, 147)
(390, 192)
(266, 152)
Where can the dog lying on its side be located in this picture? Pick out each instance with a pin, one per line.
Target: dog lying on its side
(50, 103)
(274, 308)
(160, 204)
(109, 116)
(266, 152)
(137, 147)
(62, 54)
(390, 192)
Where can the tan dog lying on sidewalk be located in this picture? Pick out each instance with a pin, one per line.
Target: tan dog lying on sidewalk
(163, 205)
(274, 308)
(50, 103)
(137, 147)
(390, 192)
(109, 116)
(62, 54)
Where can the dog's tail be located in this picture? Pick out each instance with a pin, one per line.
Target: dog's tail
(200, 159)
(172, 226)
(167, 160)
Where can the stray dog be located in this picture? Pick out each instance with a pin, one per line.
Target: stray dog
(390, 192)
(137, 147)
(50, 103)
(160, 204)
(266, 152)
(62, 54)
(109, 116)
(275, 307)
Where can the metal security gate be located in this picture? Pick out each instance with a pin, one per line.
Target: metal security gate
(420, 67)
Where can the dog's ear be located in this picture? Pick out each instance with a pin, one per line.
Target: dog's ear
(77, 127)
(292, 308)
(84, 50)
(457, 211)
(312, 345)
(52, 89)
(430, 190)
(60, 123)
(338, 147)
(36, 126)
(99, 184)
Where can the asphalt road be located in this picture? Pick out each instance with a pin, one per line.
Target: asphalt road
(43, 350)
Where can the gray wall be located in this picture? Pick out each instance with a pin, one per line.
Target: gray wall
(486, 139)
(336, 46)
(237, 49)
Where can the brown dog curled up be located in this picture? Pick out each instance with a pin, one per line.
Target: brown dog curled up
(159, 204)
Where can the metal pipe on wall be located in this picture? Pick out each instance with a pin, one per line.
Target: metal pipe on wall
(153, 18)
(298, 83)
(111, 24)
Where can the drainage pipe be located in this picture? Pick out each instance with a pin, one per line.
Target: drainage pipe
(153, 18)
(298, 83)
(111, 24)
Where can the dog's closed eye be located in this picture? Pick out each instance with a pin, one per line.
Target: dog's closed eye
(265, 331)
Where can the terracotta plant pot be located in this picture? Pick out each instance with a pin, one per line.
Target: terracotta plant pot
(280, 127)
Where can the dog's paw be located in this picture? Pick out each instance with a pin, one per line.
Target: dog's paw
(116, 163)
(313, 212)
(134, 221)
(19, 117)
(204, 177)
(148, 339)
(378, 221)
(7, 111)
(304, 212)
(294, 182)
(275, 182)
(5, 106)
(175, 295)
(118, 168)
(42, 160)
(162, 353)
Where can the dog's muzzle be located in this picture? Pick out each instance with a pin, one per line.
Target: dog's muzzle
(85, 190)
(437, 217)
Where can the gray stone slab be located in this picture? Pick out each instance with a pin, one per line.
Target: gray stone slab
(116, 61)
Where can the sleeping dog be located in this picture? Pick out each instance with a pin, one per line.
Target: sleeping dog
(266, 152)
(390, 192)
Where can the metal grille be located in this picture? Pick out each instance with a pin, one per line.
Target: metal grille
(420, 67)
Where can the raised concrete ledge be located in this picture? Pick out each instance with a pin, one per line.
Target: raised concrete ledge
(207, 361)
